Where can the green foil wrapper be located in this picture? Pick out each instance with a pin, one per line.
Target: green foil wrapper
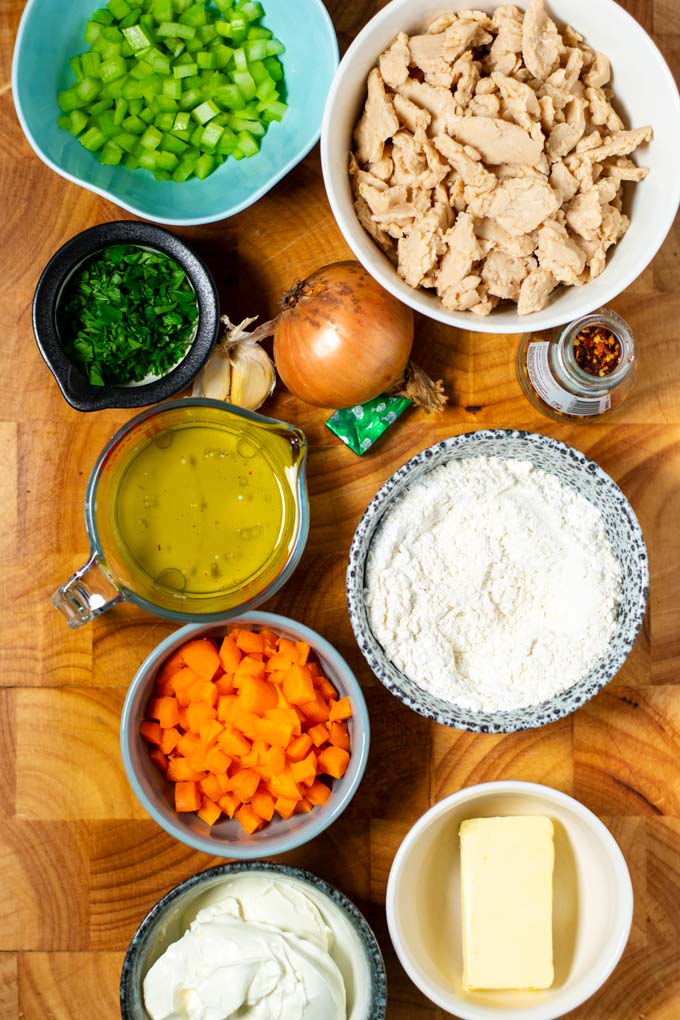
(361, 426)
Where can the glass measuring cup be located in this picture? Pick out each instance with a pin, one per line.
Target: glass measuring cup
(195, 510)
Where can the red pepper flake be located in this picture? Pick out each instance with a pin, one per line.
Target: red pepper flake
(597, 350)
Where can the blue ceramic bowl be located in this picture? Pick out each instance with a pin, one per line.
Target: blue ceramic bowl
(357, 954)
(227, 838)
(51, 31)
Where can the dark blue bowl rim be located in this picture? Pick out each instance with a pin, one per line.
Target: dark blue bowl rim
(378, 1003)
(75, 388)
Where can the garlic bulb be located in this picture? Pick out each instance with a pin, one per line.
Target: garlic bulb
(239, 370)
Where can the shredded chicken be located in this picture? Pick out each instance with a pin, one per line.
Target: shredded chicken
(489, 160)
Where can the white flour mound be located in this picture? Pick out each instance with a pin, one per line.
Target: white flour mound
(492, 585)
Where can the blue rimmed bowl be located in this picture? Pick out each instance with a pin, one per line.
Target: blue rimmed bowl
(574, 470)
(356, 951)
(227, 838)
(50, 32)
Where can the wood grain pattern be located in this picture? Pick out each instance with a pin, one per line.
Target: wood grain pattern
(81, 861)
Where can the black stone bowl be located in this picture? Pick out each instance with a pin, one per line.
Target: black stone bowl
(74, 385)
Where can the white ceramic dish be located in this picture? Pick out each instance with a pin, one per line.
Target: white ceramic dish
(646, 95)
(592, 903)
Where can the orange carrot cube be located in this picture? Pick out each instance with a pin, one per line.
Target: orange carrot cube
(299, 747)
(151, 732)
(285, 806)
(319, 734)
(248, 819)
(209, 812)
(333, 761)
(187, 796)
(318, 793)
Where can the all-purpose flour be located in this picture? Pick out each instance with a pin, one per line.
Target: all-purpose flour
(492, 585)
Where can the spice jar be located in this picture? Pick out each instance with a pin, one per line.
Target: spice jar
(581, 370)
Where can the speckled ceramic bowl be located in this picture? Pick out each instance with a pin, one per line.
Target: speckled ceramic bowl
(573, 469)
(356, 953)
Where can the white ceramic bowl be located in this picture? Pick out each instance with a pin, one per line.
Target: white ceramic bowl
(645, 94)
(592, 903)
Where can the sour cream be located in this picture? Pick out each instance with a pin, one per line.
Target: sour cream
(261, 950)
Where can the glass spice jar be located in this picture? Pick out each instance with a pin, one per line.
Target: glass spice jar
(579, 371)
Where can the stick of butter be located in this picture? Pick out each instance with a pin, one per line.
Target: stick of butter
(506, 881)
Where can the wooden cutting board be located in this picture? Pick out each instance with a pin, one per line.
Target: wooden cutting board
(80, 861)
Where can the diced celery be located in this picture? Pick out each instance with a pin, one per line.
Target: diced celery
(137, 37)
(64, 121)
(196, 136)
(164, 104)
(274, 47)
(171, 143)
(184, 171)
(113, 89)
(134, 125)
(90, 63)
(227, 142)
(102, 104)
(162, 175)
(181, 5)
(141, 70)
(182, 121)
(159, 61)
(75, 63)
(251, 11)
(126, 140)
(255, 49)
(205, 111)
(132, 89)
(147, 115)
(245, 82)
(166, 160)
(223, 55)
(172, 88)
(194, 15)
(189, 99)
(205, 166)
(237, 153)
(266, 90)
(206, 33)
(194, 81)
(257, 32)
(151, 88)
(121, 110)
(162, 10)
(106, 124)
(130, 161)
(112, 69)
(252, 126)
(112, 34)
(211, 135)
(276, 110)
(259, 72)
(184, 70)
(206, 60)
(78, 121)
(92, 32)
(225, 7)
(119, 8)
(164, 122)
(273, 65)
(70, 100)
(102, 17)
(136, 106)
(92, 139)
(240, 59)
(111, 154)
(88, 89)
(229, 97)
(127, 22)
(175, 29)
(194, 45)
(151, 138)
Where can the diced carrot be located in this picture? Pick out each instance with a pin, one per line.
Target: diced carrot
(339, 735)
(183, 721)
(297, 685)
(277, 677)
(153, 709)
(169, 739)
(287, 647)
(203, 690)
(211, 788)
(333, 761)
(209, 812)
(340, 710)
(172, 665)
(233, 742)
(216, 760)
(225, 684)
(179, 770)
(168, 712)
(287, 716)
(247, 667)
(299, 747)
(270, 639)
(228, 803)
(275, 733)
(326, 688)
(209, 731)
(316, 711)
(196, 759)
(151, 732)
(285, 806)
(305, 769)
(260, 748)
(315, 669)
(188, 743)
(257, 695)
(279, 663)
(199, 712)
(276, 759)
(244, 783)
(230, 654)
(223, 781)
(201, 656)
(159, 759)
(227, 704)
(303, 649)
(318, 793)
(284, 785)
(319, 734)
(249, 641)
(263, 804)
(187, 796)
(248, 819)
(303, 806)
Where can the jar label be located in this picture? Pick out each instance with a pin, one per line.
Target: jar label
(547, 387)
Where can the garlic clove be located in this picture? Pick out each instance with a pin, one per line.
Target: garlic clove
(214, 379)
(253, 376)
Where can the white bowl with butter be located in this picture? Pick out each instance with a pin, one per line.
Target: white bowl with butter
(590, 914)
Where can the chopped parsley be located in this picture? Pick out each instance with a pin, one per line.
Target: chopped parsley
(125, 314)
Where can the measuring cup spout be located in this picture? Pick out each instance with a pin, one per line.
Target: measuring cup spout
(89, 593)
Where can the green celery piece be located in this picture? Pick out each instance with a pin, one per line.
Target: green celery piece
(237, 153)
(112, 34)
(206, 33)
(194, 81)
(205, 111)
(92, 32)
(255, 49)
(171, 143)
(69, 100)
(184, 59)
(158, 61)
(102, 17)
(130, 161)
(238, 23)
(251, 11)
(227, 142)
(183, 172)
(147, 21)
(240, 59)
(189, 99)
(195, 15)
(106, 124)
(164, 104)
(196, 136)
(185, 136)
(166, 160)
(119, 8)
(181, 5)
(137, 38)
(205, 165)
(147, 115)
(184, 70)
(133, 125)
(90, 63)
(76, 65)
(225, 7)
(164, 122)
(230, 97)
(258, 32)
(111, 154)
(122, 107)
(78, 121)
(151, 138)
(141, 70)
(162, 10)
(258, 71)
(100, 106)
(64, 121)
(113, 89)
(175, 29)
(274, 67)
(221, 118)
(127, 22)
(126, 49)
(136, 106)
(206, 59)
(252, 126)
(152, 87)
(274, 47)
(162, 175)
(132, 89)
(112, 69)
(127, 141)
(194, 45)
(276, 110)
(88, 89)
(107, 49)
(245, 82)
(92, 139)
(223, 55)
(211, 135)
(266, 91)
(172, 87)
(147, 160)
(182, 121)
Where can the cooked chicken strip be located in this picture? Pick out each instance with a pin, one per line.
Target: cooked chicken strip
(419, 251)
(558, 253)
(584, 214)
(436, 100)
(377, 123)
(519, 101)
(620, 144)
(522, 204)
(535, 291)
(542, 44)
(599, 73)
(503, 274)
(462, 250)
(393, 63)
(471, 170)
(497, 141)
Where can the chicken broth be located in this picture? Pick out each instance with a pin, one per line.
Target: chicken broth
(204, 509)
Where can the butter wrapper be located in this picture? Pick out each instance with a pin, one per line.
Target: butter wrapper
(361, 426)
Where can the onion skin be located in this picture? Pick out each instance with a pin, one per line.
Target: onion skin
(341, 339)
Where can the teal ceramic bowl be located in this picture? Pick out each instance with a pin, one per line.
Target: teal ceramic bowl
(51, 32)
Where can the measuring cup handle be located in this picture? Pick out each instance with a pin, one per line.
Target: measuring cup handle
(89, 593)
